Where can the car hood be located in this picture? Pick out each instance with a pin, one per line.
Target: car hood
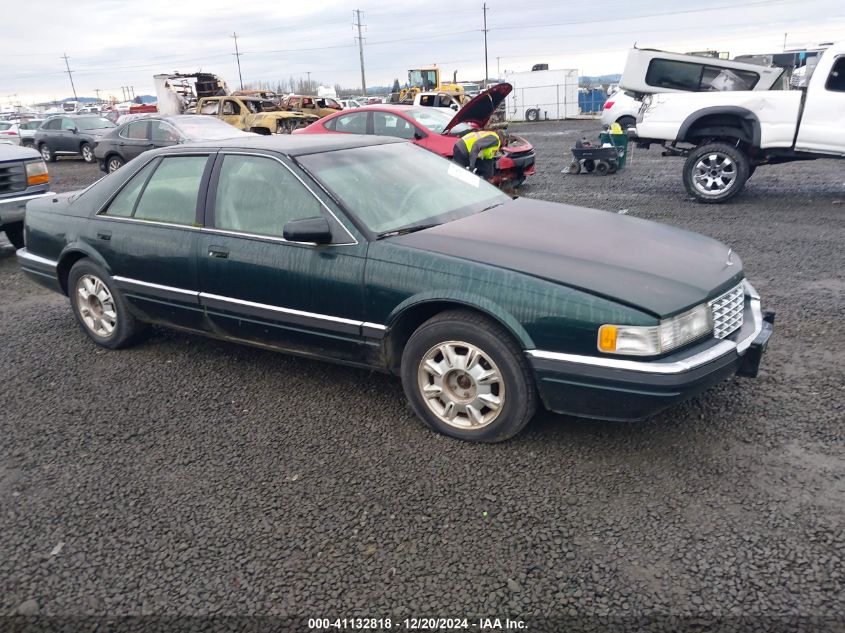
(650, 266)
(481, 107)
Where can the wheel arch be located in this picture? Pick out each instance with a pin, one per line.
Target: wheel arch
(412, 313)
(72, 254)
(720, 121)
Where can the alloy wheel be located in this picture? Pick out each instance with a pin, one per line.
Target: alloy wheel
(714, 173)
(114, 164)
(96, 306)
(87, 153)
(45, 153)
(461, 385)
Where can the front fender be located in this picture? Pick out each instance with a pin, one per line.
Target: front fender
(462, 299)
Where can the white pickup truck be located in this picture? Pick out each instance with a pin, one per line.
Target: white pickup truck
(726, 135)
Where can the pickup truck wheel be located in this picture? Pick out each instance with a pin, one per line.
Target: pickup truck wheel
(14, 232)
(625, 122)
(46, 153)
(715, 172)
(98, 306)
(466, 377)
(532, 114)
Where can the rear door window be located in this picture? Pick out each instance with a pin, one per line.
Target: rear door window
(137, 130)
(694, 77)
(171, 193)
(352, 123)
(124, 202)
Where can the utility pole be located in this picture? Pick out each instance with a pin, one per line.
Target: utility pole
(97, 90)
(486, 72)
(498, 70)
(238, 57)
(308, 72)
(784, 42)
(70, 75)
(361, 53)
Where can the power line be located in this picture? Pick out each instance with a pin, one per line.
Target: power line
(238, 57)
(70, 75)
(361, 53)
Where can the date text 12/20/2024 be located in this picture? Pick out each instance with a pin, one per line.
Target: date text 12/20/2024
(416, 624)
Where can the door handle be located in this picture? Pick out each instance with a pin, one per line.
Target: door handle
(104, 235)
(218, 251)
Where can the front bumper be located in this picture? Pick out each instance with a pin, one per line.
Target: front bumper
(13, 209)
(614, 389)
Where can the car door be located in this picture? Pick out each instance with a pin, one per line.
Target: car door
(255, 285)
(822, 126)
(148, 236)
(66, 136)
(133, 139)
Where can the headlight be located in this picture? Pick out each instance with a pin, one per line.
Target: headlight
(36, 173)
(651, 340)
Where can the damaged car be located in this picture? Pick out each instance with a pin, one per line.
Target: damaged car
(254, 114)
(437, 130)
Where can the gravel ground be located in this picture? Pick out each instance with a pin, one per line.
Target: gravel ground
(187, 476)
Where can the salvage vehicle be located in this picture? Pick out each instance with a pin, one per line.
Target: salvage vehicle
(142, 133)
(23, 177)
(70, 135)
(26, 131)
(725, 136)
(437, 130)
(376, 253)
(9, 133)
(310, 104)
(178, 93)
(256, 115)
(437, 100)
(620, 108)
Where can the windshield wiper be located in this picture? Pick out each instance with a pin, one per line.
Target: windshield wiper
(407, 229)
(492, 206)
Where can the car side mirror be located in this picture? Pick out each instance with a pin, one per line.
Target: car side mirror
(315, 230)
(74, 130)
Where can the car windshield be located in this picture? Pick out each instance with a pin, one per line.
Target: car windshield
(415, 187)
(202, 128)
(92, 123)
(436, 120)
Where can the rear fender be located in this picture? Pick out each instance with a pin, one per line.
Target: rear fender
(749, 124)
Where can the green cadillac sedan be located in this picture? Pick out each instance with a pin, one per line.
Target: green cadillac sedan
(373, 252)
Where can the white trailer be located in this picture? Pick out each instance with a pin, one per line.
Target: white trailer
(542, 94)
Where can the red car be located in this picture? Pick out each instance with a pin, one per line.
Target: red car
(436, 129)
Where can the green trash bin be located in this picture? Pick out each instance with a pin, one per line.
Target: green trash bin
(620, 141)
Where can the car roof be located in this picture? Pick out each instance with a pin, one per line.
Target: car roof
(298, 144)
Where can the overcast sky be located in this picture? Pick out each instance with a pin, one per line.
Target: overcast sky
(114, 43)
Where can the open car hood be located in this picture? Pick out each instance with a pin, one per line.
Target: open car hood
(481, 107)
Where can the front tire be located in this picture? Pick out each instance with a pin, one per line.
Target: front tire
(14, 233)
(99, 308)
(466, 377)
(532, 115)
(716, 172)
(87, 152)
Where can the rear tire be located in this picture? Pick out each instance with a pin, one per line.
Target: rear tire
(14, 233)
(46, 153)
(466, 377)
(625, 122)
(715, 172)
(99, 308)
(113, 163)
(87, 153)
(532, 115)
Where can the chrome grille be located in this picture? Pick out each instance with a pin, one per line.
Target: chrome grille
(727, 311)
(12, 177)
